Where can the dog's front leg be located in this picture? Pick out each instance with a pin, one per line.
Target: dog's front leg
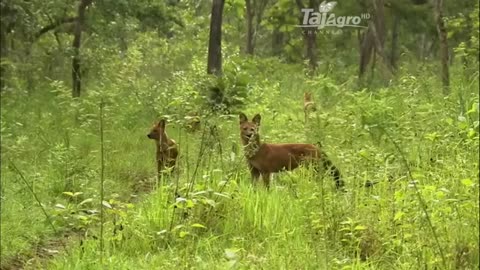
(255, 173)
(159, 167)
(172, 164)
(266, 179)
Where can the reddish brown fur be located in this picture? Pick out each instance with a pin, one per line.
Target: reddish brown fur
(265, 159)
(308, 104)
(166, 148)
(193, 123)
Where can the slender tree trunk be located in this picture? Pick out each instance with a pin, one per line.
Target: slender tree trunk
(442, 36)
(374, 38)
(7, 23)
(380, 21)
(3, 55)
(250, 12)
(254, 13)
(277, 41)
(122, 40)
(359, 38)
(374, 61)
(430, 48)
(422, 47)
(366, 49)
(310, 38)
(260, 9)
(468, 43)
(214, 65)
(393, 52)
(77, 37)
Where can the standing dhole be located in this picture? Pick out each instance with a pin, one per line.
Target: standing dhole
(166, 148)
(308, 104)
(267, 158)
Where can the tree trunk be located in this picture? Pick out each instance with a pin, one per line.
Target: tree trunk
(254, 13)
(250, 12)
(260, 9)
(77, 37)
(374, 61)
(310, 38)
(277, 41)
(366, 49)
(214, 65)
(122, 38)
(422, 47)
(3, 55)
(7, 24)
(380, 21)
(393, 52)
(374, 38)
(468, 43)
(442, 36)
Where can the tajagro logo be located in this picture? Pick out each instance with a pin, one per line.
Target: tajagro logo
(324, 18)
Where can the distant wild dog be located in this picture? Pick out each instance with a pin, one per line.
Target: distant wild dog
(308, 104)
(192, 122)
(166, 148)
(265, 158)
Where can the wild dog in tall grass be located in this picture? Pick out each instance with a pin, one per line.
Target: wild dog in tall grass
(308, 104)
(192, 123)
(167, 151)
(267, 158)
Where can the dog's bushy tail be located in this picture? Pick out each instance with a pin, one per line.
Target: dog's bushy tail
(334, 172)
(331, 168)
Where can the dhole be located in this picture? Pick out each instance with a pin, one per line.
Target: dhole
(265, 158)
(308, 104)
(192, 122)
(166, 148)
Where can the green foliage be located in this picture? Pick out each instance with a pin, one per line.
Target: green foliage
(466, 28)
(217, 217)
(143, 65)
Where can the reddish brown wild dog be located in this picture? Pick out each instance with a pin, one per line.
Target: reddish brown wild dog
(267, 158)
(166, 148)
(308, 104)
(192, 122)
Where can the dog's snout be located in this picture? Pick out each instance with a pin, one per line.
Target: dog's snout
(149, 136)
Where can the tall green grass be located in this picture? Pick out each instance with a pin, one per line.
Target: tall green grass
(216, 219)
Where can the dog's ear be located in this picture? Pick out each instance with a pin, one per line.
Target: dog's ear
(162, 123)
(243, 118)
(256, 119)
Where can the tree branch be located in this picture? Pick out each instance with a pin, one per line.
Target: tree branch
(54, 25)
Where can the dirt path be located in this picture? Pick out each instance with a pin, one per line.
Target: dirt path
(49, 247)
